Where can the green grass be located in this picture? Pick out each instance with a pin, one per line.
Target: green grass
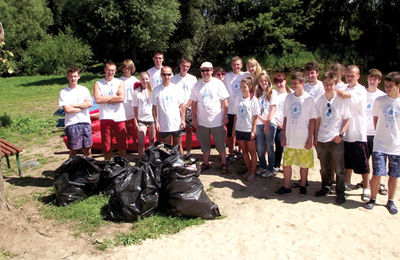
(6, 254)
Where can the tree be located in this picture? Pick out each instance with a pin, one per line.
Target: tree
(124, 28)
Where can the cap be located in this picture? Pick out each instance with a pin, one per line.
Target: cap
(206, 65)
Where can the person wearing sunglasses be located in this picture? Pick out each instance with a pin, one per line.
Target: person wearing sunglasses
(210, 114)
(332, 122)
(219, 73)
(168, 109)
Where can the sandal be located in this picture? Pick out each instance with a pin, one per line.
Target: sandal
(250, 178)
(382, 189)
(359, 185)
(224, 169)
(205, 166)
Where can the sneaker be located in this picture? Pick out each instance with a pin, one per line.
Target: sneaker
(321, 193)
(260, 171)
(283, 190)
(303, 190)
(230, 158)
(340, 198)
(277, 169)
(348, 187)
(391, 207)
(267, 174)
(366, 195)
(370, 204)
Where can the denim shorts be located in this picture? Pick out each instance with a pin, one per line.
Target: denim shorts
(79, 136)
(175, 134)
(379, 164)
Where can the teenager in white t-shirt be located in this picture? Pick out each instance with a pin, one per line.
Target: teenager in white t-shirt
(314, 86)
(168, 109)
(109, 93)
(128, 68)
(155, 72)
(266, 126)
(339, 70)
(298, 130)
(143, 111)
(331, 124)
(232, 83)
(75, 100)
(210, 114)
(386, 113)
(185, 82)
(246, 112)
(355, 139)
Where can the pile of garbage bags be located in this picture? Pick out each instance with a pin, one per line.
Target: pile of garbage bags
(160, 180)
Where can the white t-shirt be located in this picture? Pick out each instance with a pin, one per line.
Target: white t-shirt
(168, 99)
(245, 110)
(371, 96)
(73, 96)
(331, 117)
(115, 112)
(387, 136)
(357, 130)
(155, 76)
(314, 90)
(341, 86)
(232, 83)
(298, 112)
(129, 84)
(141, 100)
(265, 107)
(185, 84)
(280, 100)
(208, 96)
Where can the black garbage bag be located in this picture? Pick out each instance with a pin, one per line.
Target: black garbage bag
(111, 173)
(183, 194)
(136, 195)
(76, 178)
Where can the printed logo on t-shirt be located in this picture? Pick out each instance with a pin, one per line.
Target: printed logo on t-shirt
(295, 110)
(329, 115)
(390, 113)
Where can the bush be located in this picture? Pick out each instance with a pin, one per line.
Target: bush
(288, 61)
(5, 120)
(54, 54)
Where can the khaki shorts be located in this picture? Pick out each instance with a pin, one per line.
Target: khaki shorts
(300, 157)
(203, 135)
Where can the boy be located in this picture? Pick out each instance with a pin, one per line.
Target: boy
(168, 109)
(185, 82)
(128, 68)
(374, 79)
(109, 93)
(314, 86)
(355, 139)
(330, 126)
(297, 134)
(386, 111)
(75, 100)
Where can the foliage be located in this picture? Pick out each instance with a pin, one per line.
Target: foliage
(5, 120)
(24, 21)
(124, 28)
(54, 54)
(6, 64)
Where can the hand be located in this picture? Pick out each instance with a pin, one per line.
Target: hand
(252, 135)
(195, 124)
(225, 120)
(157, 125)
(283, 141)
(308, 144)
(183, 124)
(337, 139)
(266, 128)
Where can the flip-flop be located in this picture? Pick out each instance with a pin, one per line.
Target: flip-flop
(250, 178)
(382, 189)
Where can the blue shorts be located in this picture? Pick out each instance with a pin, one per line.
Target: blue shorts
(243, 136)
(79, 136)
(379, 164)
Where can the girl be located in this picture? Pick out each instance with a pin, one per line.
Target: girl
(142, 109)
(282, 91)
(266, 126)
(253, 68)
(247, 110)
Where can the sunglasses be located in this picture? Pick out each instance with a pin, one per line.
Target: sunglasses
(329, 107)
(205, 70)
(166, 74)
(221, 74)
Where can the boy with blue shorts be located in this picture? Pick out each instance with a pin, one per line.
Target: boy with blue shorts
(75, 100)
(386, 112)
(297, 133)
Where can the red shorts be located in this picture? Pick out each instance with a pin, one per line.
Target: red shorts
(131, 129)
(108, 129)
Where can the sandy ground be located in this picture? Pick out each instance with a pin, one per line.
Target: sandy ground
(256, 223)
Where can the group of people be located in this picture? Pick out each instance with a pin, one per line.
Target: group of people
(345, 122)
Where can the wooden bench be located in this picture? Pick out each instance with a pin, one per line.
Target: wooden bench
(7, 150)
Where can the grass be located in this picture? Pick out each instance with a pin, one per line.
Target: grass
(4, 254)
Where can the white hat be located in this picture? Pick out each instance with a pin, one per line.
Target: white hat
(206, 65)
